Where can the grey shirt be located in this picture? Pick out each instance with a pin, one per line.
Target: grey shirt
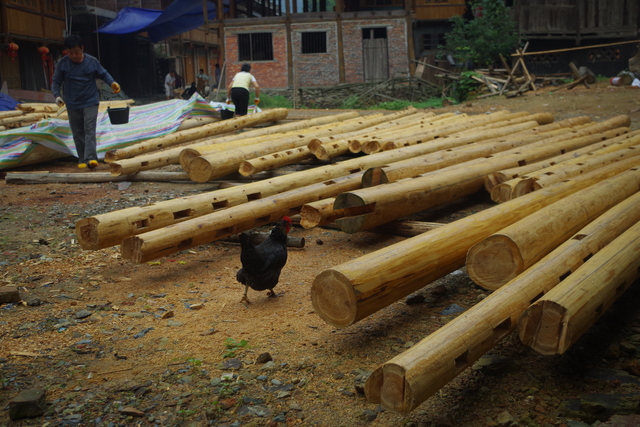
(78, 81)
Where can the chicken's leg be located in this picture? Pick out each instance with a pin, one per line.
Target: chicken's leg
(244, 298)
(271, 294)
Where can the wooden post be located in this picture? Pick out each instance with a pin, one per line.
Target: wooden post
(172, 155)
(398, 199)
(556, 321)
(355, 289)
(622, 149)
(502, 256)
(223, 223)
(407, 380)
(193, 134)
(44, 177)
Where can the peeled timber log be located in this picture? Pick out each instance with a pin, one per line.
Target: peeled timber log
(172, 156)
(490, 130)
(330, 146)
(211, 166)
(102, 231)
(223, 223)
(499, 177)
(623, 148)
(199, 132)
(407, 380)
(45, 177)
(469, 151)
(351, 291)
(394, 200)
(502, 256)
(554, 322)
(290, 137)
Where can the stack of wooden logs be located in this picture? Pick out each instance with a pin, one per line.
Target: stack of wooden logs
(570, 222)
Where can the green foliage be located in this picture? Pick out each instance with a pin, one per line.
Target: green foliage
(353, 102)
(461, 88)
(482, 39)
(233, 346)
(277, 101)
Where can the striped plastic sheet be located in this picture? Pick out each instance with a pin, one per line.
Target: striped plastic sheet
(145, 122)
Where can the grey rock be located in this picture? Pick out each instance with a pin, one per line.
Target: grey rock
(264, 358)
(452, 309)
(368, 415)
(255, 410)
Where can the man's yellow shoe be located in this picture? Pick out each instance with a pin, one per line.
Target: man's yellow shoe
(93, 164)
(82, 165)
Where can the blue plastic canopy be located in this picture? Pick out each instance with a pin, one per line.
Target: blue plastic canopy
(181, 16)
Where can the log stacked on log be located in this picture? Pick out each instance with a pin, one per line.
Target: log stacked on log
(556, 321)
(568, 165)
(408, 379)
(352, 291)
(192, 134)
(401, 198)
(173, 155)
(502, 256)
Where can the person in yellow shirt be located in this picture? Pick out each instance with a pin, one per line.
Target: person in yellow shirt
(238, 90)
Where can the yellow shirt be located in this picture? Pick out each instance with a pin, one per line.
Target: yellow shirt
(243, 79)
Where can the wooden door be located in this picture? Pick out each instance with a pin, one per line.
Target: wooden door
(375, 54)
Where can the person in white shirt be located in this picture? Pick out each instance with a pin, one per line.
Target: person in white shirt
(238, 90)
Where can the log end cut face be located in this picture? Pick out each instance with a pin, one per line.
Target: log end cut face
(494, 261)
(334, 299)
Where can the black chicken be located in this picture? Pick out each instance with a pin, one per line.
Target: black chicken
(262, 264)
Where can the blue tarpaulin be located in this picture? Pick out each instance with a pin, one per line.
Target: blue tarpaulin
(181, 16)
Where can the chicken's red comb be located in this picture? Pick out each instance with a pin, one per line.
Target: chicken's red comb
(286, 218)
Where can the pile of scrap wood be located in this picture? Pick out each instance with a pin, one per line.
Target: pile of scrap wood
(538, 250)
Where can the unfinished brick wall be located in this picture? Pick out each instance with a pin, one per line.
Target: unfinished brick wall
(316, 69)
(269, 74)
(352, 45)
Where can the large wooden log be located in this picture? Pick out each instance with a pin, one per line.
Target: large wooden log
(437, 122)
(23, 120)
(293, 135)
(223, 223)
(489, 130)
(502, 256)
(407, 380)
(110, 229)
(193, 134)
(358, 288)
(499, 177)
(321, 212)
(556, 321)
(211, 166)
(482, 124)
(275, 160)
(462, 153)
(172, 156)
(401, 198)
(566, 169)
(45, 177)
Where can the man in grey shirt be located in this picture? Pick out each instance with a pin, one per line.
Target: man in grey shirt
(76, 74)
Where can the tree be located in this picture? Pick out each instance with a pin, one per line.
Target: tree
(480, 39)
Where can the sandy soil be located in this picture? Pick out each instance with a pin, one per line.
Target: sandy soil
(129, 353)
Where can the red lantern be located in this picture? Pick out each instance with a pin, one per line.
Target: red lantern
(43, 51)
(13, 51)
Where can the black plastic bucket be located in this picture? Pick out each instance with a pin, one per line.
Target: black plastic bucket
(226, 114)
(118, 116)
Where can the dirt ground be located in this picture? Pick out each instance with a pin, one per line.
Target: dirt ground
(168, 343)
